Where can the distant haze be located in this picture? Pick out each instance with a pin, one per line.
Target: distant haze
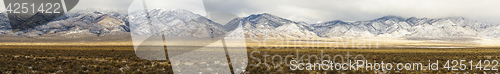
(314, 11)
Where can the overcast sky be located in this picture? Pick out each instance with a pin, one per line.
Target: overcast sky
(313, 11)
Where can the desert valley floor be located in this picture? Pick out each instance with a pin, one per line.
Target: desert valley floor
(94, 55)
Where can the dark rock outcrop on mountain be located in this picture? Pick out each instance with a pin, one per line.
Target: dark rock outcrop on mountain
(20, 22)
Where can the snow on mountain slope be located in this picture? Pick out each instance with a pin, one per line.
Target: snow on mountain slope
(491, 32)
(184, 23)
(77, 25)
(4, 23)
(177, 22)
(269, 26)
(411, 28)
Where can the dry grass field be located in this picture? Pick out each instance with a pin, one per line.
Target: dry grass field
(107, 55)
(415, 55)
(122, 59)
(76, 59)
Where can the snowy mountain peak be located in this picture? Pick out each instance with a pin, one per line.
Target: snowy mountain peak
(391, 17)
(180, 12)
(97, 12)
(270, 26)
(177, 22)
(264, 16)
(337, 22)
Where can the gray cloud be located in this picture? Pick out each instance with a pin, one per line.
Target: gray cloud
(312, 11)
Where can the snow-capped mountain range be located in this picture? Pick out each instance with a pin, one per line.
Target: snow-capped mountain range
(269, 26)
(411, 28)
(82, 23)
(184, 23)
(175, 22)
